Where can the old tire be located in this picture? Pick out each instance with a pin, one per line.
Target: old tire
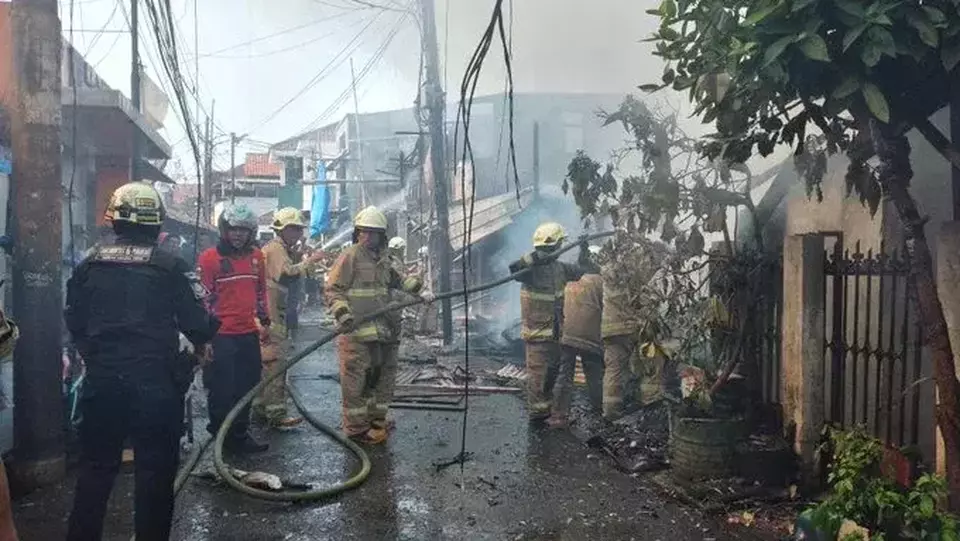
(705, 448)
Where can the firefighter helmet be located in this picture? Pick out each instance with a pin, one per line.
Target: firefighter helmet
(287, 216)
(548, 235)
(397, 243)
(135, 203)
(239, 216)
(370, 218)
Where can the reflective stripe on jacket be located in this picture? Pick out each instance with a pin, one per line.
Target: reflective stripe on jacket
(359, 284)
(541, 297)
(582, 309)
(280, 269)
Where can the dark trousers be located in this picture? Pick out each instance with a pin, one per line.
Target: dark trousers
(150, 411)
(234, 371)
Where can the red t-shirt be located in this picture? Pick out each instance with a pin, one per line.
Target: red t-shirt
(238, 289)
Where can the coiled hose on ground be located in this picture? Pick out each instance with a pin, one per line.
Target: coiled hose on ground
(358, 478)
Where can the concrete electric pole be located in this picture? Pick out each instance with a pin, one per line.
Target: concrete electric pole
(135, 87)
(436, 104)
(37, 203)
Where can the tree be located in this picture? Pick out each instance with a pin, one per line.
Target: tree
(662, 208)
(863, 73)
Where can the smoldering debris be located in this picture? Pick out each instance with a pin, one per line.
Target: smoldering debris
(635, 443)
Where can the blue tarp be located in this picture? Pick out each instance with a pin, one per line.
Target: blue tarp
(320, 209)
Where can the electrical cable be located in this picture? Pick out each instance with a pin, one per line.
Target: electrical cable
(364, 71)
(468, 89)
(283, 32)
(319, 76)
(358, 478)
(161, 17)
(99, 34)
(73, 146)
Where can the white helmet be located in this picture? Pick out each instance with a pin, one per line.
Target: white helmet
(423, 251)
(397, 243)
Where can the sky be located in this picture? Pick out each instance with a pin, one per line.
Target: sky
(270, 69)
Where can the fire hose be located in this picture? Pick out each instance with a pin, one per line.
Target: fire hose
(358, 478)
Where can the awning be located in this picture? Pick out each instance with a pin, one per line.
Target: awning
(105, 118)
(489, 216)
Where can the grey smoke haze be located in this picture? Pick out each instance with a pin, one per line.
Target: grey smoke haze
(518, 240)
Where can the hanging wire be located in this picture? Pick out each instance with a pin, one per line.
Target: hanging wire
(73, 146)
(161, 18)
(468, 87)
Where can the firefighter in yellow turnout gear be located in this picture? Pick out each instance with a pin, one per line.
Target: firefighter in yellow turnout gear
(281, 271)
(359, 284)
(541, 311)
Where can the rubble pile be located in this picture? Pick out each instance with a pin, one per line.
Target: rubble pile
(635, 443)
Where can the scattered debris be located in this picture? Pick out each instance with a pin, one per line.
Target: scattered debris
(511, 374)
(461, 458)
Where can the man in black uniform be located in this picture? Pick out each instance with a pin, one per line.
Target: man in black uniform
(126, 303)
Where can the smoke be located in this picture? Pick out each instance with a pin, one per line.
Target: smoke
(518, 240)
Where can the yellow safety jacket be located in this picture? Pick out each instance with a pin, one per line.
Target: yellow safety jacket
(541, 297)
(582, 309)
(359, 284)
(280, 270)
(619, 318)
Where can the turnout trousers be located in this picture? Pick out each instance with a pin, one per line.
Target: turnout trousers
(543, 367)
(271, 404)
(150, 410)
(368, 376)
(617, 352)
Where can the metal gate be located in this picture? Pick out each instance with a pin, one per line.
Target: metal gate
(873, 347)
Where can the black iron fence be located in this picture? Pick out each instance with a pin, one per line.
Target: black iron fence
(764, 342)
(874, 362)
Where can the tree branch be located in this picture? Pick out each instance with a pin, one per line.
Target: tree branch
(939, 141)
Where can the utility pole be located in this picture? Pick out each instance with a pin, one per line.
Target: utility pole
(536, 160)
(208, 166)
(233, 173)
(135, 86)
(356, 131)
(37, 204)
(435, 107)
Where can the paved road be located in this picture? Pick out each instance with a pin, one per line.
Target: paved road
(521, 484)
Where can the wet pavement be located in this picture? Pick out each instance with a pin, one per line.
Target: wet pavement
(521, 483)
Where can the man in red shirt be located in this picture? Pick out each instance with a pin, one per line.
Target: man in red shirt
(233, 272)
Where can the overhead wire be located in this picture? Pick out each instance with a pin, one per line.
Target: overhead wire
(283, 32)
(161, 18)
(364, 71)
(325, 71)
(99, 34)
(288, 48)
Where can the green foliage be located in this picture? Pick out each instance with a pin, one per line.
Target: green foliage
(662, 210)
(860, 493)
(762, 70)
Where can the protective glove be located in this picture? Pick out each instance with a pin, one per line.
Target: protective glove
(428, 297)
(346, 324)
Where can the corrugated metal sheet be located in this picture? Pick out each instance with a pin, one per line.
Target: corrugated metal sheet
(489, 216)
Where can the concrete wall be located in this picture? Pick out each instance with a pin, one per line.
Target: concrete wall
(838, 213)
